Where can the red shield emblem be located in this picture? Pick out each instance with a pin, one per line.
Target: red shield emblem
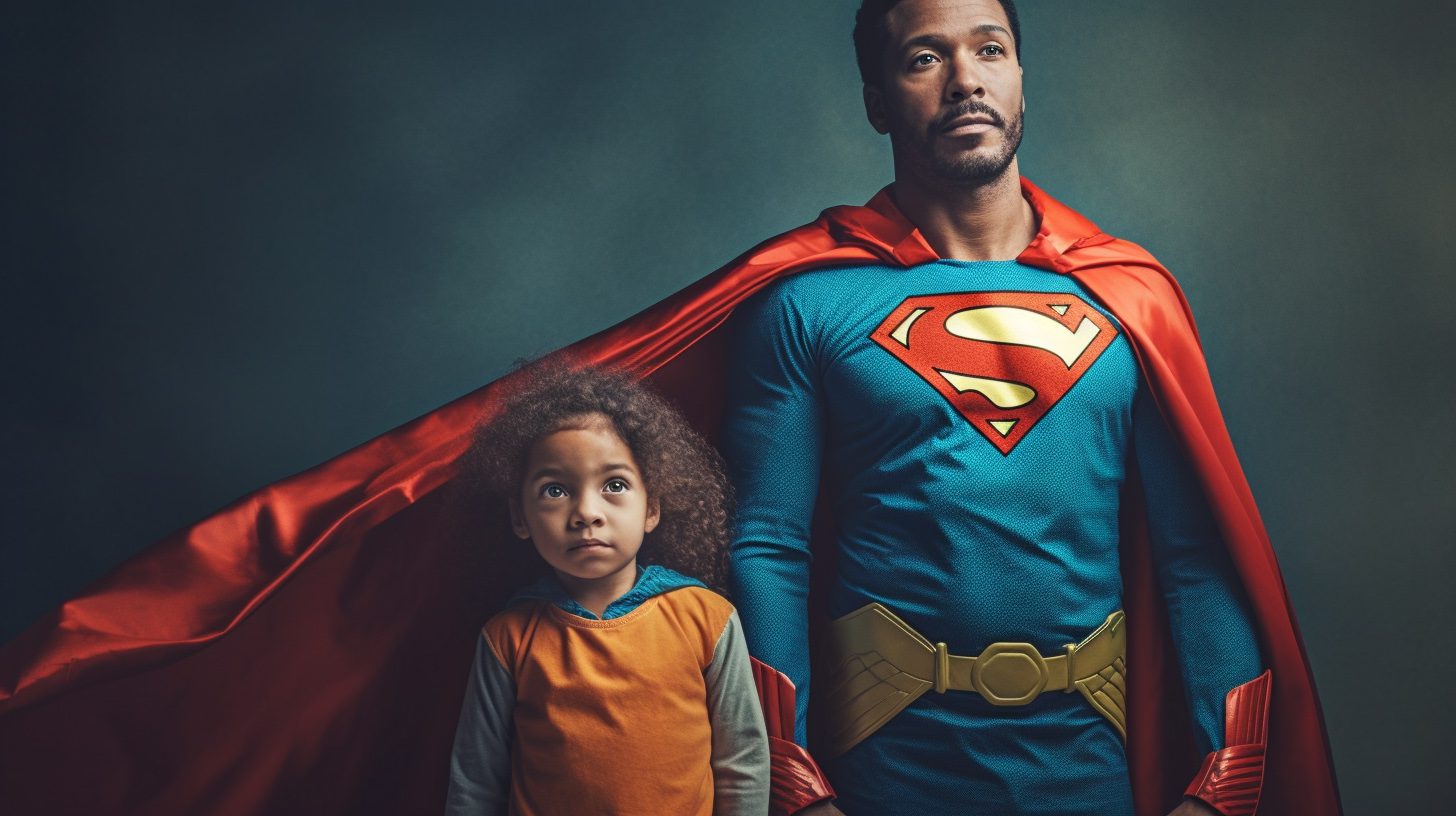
(1002, 359)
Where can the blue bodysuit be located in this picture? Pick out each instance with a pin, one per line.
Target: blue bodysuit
(973, 424)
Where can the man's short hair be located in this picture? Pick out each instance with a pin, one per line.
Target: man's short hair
(870, 34)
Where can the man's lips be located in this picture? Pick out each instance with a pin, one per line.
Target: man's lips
(968, 125)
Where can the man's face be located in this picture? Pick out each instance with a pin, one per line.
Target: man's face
(950, 91)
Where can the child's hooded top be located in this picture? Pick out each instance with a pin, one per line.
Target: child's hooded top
(649, 709)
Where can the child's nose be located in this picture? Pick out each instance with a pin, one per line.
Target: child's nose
(588, 512)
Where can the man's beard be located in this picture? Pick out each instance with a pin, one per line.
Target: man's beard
(969, 168)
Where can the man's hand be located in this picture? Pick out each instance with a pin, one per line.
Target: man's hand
(825, 808)
(1190, 807)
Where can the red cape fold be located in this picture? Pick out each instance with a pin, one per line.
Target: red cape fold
(305, 650)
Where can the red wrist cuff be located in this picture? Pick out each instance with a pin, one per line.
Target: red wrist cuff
(1231, 779)
(795, 780)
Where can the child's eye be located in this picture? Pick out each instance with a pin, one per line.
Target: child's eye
(553, 491)
(616, 486)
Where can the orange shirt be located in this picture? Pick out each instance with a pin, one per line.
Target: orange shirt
(611, 716)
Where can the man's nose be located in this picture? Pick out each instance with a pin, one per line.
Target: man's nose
(964, 81)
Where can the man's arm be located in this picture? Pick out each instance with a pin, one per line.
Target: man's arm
(772, 441)
(1218, 651)
(480, 764)
(740, 743)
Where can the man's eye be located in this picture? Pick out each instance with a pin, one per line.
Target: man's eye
(993, 50)
(922, 60)
(615, 486)
(553, 491)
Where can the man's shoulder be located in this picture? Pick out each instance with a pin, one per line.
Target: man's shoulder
(806, 293)
(1104, 249)
(830, 276)
(1119, 261)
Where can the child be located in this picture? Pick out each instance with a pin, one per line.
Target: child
(607, 687)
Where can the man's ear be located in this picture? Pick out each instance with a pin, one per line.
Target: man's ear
(518, 520)
(654, 515)
(874, 102)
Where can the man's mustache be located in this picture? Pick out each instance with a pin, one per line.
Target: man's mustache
(967, 108)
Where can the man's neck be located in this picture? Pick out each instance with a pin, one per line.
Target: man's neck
(992, 222)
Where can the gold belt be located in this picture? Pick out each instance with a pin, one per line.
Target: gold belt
(880, 666)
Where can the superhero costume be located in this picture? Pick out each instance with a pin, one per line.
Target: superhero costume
(339, 586)
(649, 709)
(972, 422)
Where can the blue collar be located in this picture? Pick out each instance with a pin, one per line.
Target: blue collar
(654, 580)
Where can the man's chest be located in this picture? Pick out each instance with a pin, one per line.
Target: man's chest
(990, 362)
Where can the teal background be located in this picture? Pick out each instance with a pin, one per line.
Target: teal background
(240, 238)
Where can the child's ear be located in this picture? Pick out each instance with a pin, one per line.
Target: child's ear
(518, 520)
(654, 515)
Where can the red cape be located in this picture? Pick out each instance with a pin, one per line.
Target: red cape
(305, 649)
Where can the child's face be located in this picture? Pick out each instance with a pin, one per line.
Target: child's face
(583, 504)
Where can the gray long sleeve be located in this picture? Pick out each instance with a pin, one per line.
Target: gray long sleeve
(480, 765)
(740, 758)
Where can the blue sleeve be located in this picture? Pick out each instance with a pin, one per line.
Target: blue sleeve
(772, 441)
(1207, 611)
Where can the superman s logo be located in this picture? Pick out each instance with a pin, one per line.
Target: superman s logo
(1001, 359)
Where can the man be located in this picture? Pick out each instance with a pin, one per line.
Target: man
(274, 657)
(975, 421)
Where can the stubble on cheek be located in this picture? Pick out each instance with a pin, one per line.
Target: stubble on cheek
(970, 168)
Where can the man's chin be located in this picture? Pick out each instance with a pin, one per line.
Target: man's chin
(962, 163)
(973, 171)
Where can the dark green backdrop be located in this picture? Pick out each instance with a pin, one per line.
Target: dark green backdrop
(240, 238)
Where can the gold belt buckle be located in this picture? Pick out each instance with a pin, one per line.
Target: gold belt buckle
(881, 666)
(1009, 674)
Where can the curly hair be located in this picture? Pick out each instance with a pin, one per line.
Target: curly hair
(680, 470)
